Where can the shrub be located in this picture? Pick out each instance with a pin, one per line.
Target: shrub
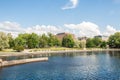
(19, 48)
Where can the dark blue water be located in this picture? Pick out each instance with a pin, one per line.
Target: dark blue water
(78, 66)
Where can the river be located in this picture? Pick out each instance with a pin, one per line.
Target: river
(75, 66)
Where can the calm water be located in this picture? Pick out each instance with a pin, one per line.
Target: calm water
(77, 66)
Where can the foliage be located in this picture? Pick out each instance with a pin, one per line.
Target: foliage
(43, 41)
(33, 41)
(82, 44)
(103, 44)
(114, 40)
(97, 41)
(4, 41)
(77, 44)
(93, 42)
(25, 37)
(90, 43)
(19, 41)
(68, 41)
(52, 40)
(19, 48)
(11, 40)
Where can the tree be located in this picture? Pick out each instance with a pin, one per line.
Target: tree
(103, 44)
(4, 41)
(25, 37)
(114, 40)
(82, 44)
(53, 40)
(33, 41)
(19, 48)
(19, 41)
(90, 43)
(43, 41)
(11, 40)
(68, 41)
(97, 41)
(93, 42)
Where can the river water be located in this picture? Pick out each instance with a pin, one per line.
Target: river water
(74, 66)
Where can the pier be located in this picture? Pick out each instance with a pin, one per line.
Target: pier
(21, 61)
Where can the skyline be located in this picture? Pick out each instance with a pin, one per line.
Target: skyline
(80, 17)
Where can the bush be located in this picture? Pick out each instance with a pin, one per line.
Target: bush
(19, 48)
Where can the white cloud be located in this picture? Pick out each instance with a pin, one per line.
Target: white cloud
(88, 29)
(40, 29)
(11, 27)
(84, 29)
(109, 30)
(70, 5)
(15, 28)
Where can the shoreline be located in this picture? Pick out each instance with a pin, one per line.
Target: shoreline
(28, 57)
(50, 51)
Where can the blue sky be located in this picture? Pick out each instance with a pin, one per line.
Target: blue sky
(81, 14)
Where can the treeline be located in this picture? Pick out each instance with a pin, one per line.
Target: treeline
(29, 41)
(113, 42)
(96, 43)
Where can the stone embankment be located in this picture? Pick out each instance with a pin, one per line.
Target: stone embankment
(22, 61)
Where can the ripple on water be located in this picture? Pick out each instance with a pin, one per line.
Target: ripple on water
(95, 66)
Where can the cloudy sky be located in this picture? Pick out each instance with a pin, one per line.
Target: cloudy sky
(80, 17)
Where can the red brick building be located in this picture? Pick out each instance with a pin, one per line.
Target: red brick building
(61, 35)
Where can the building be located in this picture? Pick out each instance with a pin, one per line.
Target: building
(83, 42)
(82, 38)
(104, 38)
(61, 35)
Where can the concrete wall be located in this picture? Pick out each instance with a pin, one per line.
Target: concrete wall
(23, 61)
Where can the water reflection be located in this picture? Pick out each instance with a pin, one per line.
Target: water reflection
(69, 66)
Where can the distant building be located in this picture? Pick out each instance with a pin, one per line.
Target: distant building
(98, 36)
(82, 38)
(61, 35)
(104, 38)
(83, 42)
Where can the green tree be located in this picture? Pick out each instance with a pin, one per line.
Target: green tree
(19, 48)
(43, 41)
(114, 40)
(33, 41)
(25, 37)
(11, 40)
(97, 41)
(90, 43)
(4, 41)
(19, 41)
(82, 44)
(52, 40)
(68, 41)
(103, 44)
(93, 42)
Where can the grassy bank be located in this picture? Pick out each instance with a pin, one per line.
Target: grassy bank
(11, 51)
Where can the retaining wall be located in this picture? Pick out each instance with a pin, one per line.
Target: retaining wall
(22, 61)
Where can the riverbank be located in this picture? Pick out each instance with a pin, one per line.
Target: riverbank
(27, 52)
(15, 58)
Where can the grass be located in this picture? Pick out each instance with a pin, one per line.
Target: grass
(7, 50)
(54, 49)
(47, 49)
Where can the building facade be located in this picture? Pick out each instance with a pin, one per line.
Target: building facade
(60, 36)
